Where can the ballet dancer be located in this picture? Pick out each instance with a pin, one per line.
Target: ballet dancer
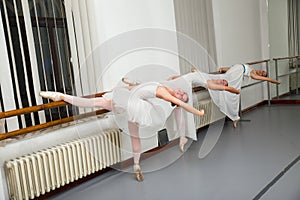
(225, 97)
(236, 74)
(250, 72)
(140, 110)
(212, 83)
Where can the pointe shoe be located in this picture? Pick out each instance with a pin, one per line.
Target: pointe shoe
(235, 123)
(54, 96)
(182, 141)
(138, 172)
(129, 82)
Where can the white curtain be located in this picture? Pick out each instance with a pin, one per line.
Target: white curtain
(293, 27)
(194, 18)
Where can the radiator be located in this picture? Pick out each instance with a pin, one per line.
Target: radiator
(206, 119)
(33, 175)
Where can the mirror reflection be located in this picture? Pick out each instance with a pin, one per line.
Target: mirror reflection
(284, 34)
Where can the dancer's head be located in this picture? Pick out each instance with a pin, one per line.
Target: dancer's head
(261, 73)
(181, 95)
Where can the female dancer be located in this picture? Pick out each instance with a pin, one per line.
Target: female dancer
(236, 74)
(140, 110)
(212, 82)
(250, 72)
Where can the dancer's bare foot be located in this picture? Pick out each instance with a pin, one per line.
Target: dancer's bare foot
(54, 96)
(138, 172)
(129, 82)
(182, 141)
(235, 123)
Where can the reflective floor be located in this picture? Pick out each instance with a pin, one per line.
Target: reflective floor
(291, 97)
(257, 160)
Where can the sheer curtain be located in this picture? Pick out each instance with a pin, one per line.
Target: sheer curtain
(293, 27)
(196, 36)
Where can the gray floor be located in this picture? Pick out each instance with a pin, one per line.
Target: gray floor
(257, 160)
(291, 97)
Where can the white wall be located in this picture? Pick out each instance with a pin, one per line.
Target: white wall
(116, 22)
(239, 33)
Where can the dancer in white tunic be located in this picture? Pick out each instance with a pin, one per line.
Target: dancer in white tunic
(250, 72)
(228, 103)
(216, 84)
(235, 75)
(140, 110)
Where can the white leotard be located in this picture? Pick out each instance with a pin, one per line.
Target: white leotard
(141, 104)
(139, 109)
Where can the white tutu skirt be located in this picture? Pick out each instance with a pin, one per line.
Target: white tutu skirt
(145, 112)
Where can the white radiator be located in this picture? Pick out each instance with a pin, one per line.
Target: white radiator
(205, 104)
(33, 175)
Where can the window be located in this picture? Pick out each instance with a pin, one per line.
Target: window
(50, 51)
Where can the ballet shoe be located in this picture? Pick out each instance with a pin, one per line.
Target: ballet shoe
(54, 96)
(235, 123)
(129, 82)
(138, 172)
(182, 141)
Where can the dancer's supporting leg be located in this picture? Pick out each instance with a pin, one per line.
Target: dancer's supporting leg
(79, 101)
(136, 149)
(180, 121)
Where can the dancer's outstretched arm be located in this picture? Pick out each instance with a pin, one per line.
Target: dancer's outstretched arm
(213, 86)
(263, 78)
(163, 93)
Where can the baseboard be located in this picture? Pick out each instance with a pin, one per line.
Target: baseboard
(283, 101)
(254, 106)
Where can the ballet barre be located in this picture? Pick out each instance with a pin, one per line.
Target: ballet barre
(32, 109)
(296, 71)
(266, 61)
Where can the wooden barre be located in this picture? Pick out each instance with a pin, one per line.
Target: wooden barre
(37, 108)
(50, 124)
(257, 62)
(284, 58)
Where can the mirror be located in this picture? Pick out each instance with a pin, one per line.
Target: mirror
(284, 34)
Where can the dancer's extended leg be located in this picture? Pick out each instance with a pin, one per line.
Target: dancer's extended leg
(181, 127)
(136, 149)
(79, 101)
